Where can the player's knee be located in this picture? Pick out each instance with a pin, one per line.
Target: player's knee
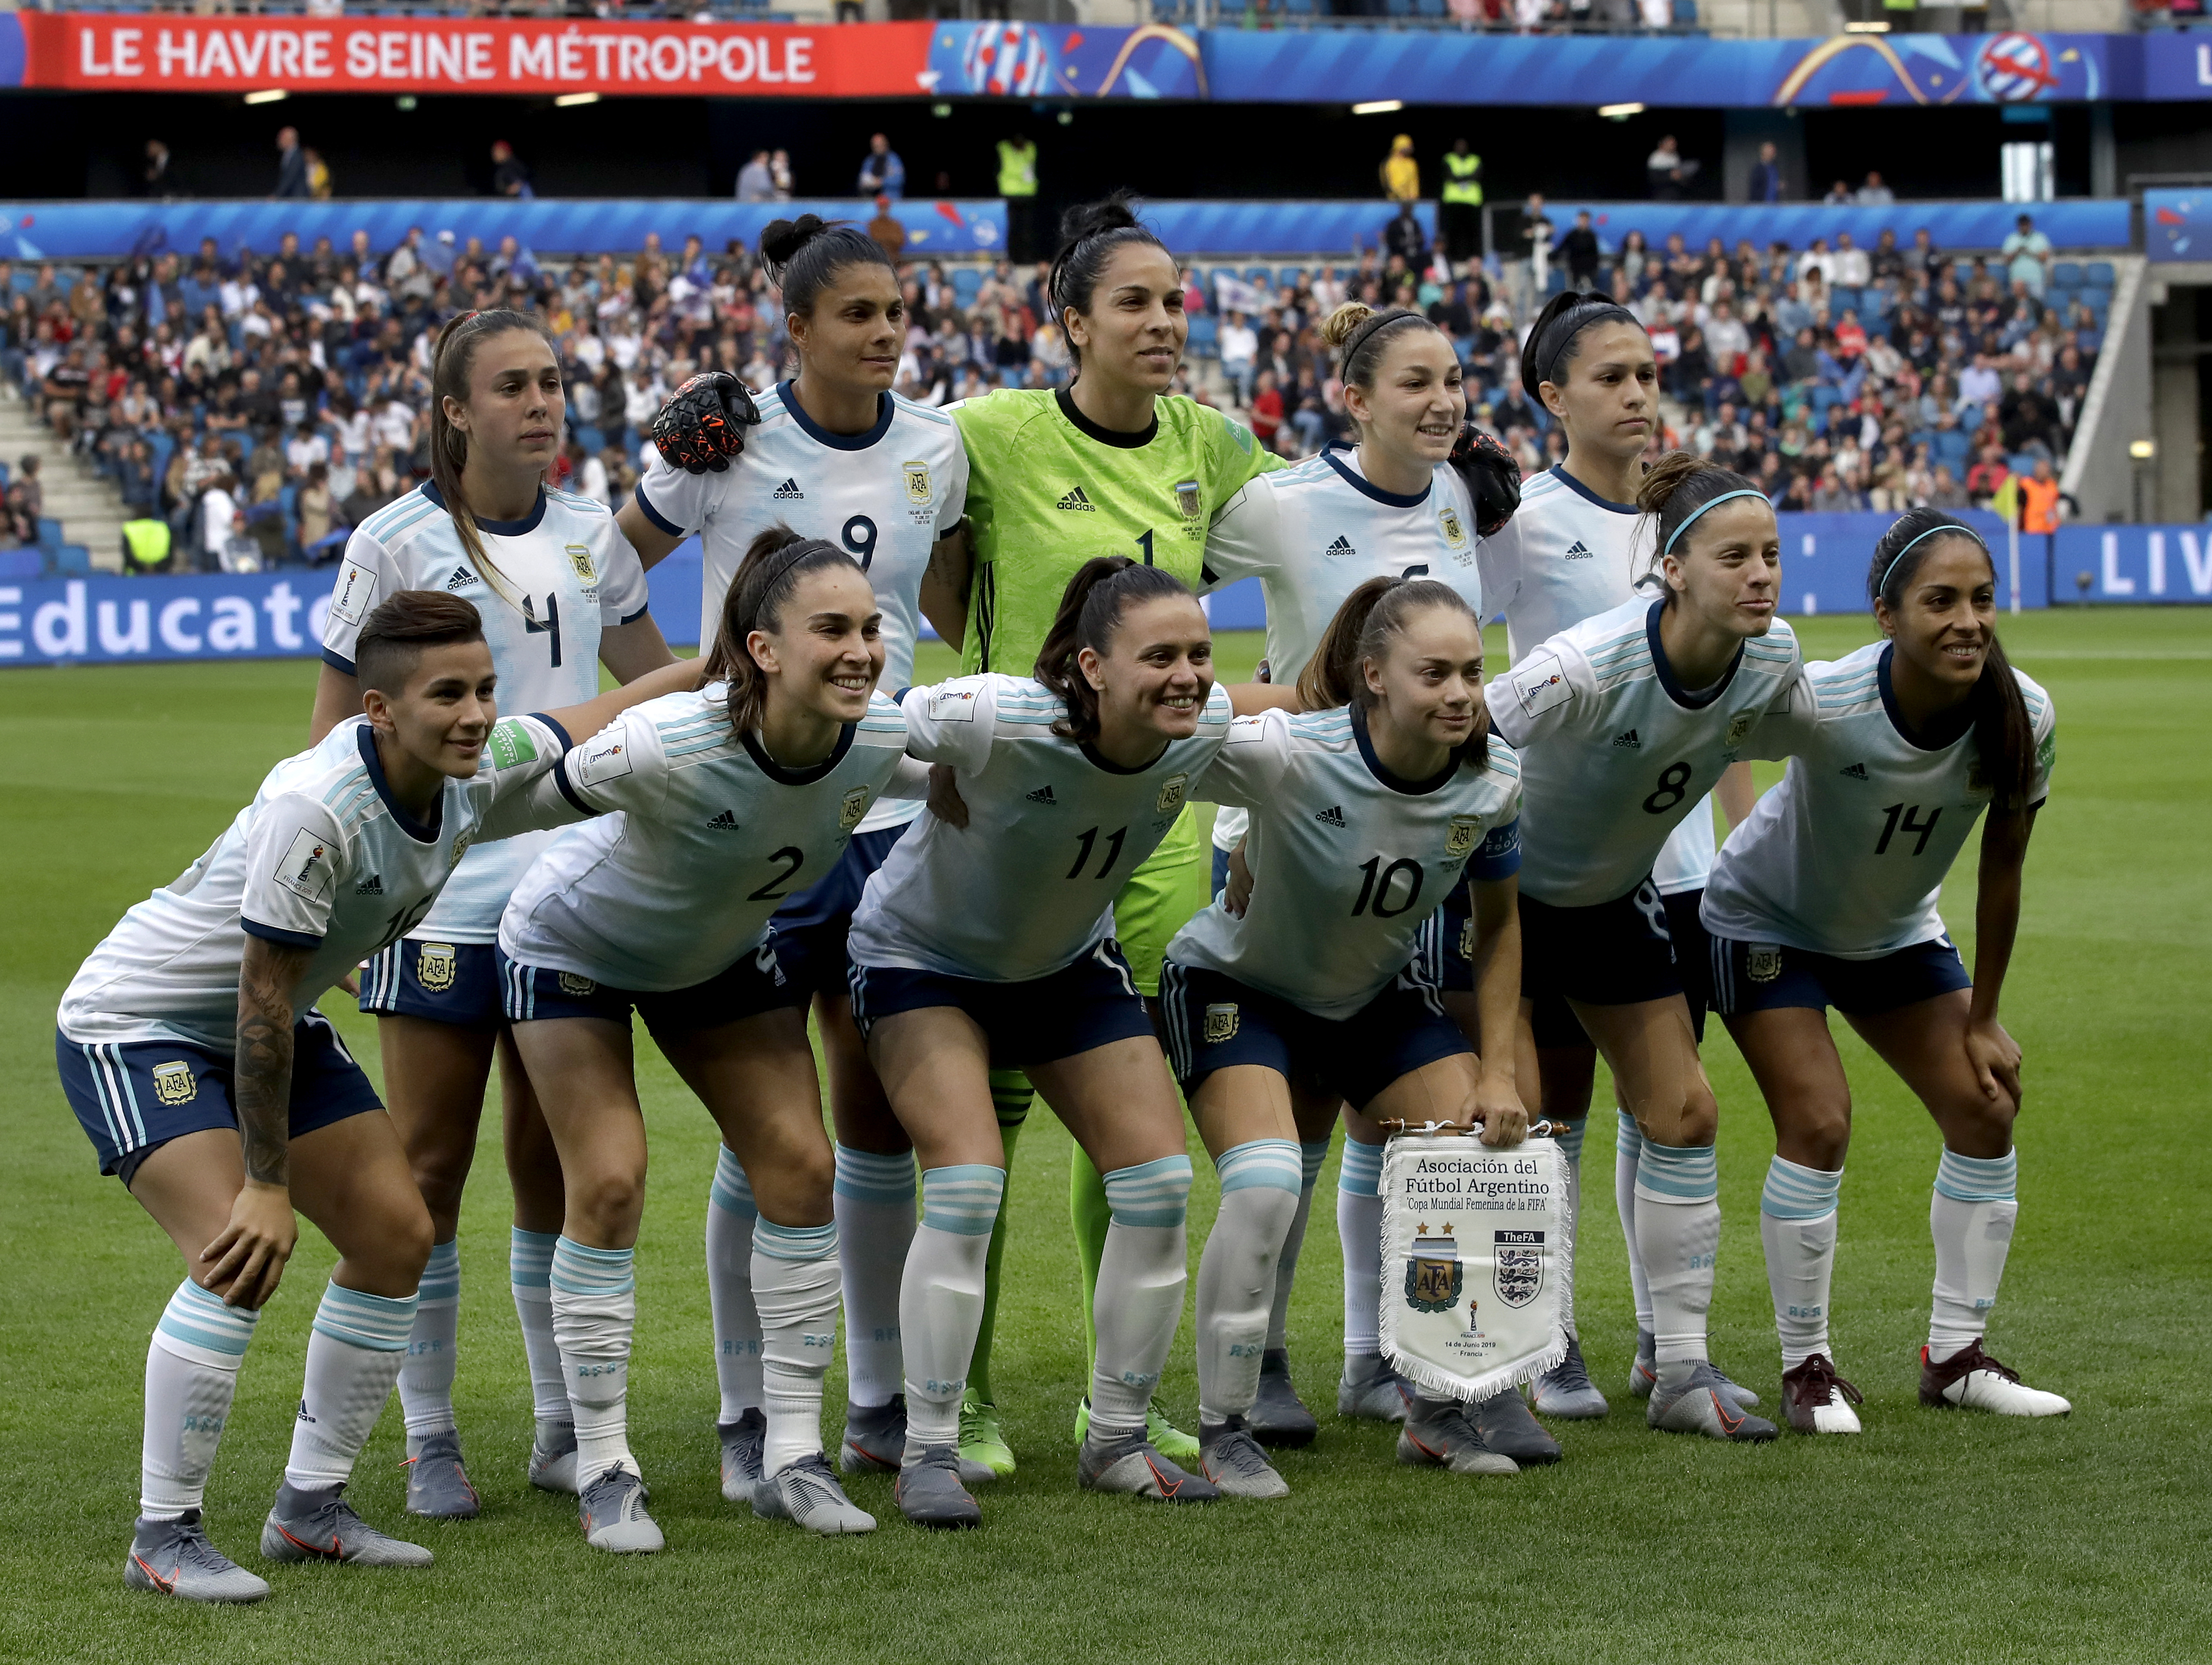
(1821, 1131)
(388, 1241)
(610, 1202)
(1979, 1125)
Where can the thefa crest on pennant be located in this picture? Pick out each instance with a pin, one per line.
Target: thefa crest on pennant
(1518, 1276)
(436, 965)
(1434, 1276)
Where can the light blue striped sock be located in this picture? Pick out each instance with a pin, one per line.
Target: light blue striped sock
(962, 1198)
(197, 1318)
(1313, 1156)
(1570, 1140)
(377, 1322)
(866, 1177)
(1151, 1194)
(1677, 1173)
(794, 1242)
(354, 1351)
(1261, 1162)
(1362, 1173)
(731, 1191)
(192, 1375)
(1797, 1193)
(579, 1269)
(426, 1380)
(530, 1257)
(1979, 1179)
(1628, 1148)
(441, 1278)
(594, 1315)
(530, 1279)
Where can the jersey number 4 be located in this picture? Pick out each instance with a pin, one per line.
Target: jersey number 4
(551, 625)
(1902, 818)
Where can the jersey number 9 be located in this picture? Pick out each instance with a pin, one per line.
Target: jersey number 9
(860, 536)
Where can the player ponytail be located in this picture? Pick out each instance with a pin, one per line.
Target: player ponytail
(1679, 487)
(2004, 734)
(1361, 633)
(1359, 336)
(1550, 348)
(453, 362)
(1089, 235)
(1103, 588)
(776, 561)
(804, 256)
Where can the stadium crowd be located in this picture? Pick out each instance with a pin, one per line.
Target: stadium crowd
(260, 405)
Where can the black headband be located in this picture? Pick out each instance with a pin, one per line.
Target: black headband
(796, 553)
(1367, 327)
(1546, 351)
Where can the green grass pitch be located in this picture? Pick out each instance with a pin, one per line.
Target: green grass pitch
(1935, 1536)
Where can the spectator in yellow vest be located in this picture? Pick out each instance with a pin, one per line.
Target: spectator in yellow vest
(1459, 206)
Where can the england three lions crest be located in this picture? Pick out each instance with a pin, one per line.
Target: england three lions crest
(1434, 1276)
(1517, 1278)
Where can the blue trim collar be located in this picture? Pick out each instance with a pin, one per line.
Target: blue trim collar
(1690, 699)
(496, 528)
(886, 407)
(422, 832)
(1583, 491)
(1367, 488)
(1948, 729)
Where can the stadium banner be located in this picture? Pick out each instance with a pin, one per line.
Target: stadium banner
(2130, 564)
(105, 620)
(126, 51)
(2172, 228)
(1478, 1263)
(2094, 222)
(77, 231)
(1825, 559)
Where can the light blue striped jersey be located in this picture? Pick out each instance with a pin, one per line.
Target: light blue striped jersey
(1847, 855)
(1616, 752)
(323, 859)
(708, 836)
(563, 574)
(1053, 832)
(1314, 533)
(1347, 860)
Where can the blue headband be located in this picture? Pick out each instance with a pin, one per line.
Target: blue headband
(1746, 491)
(1890, 572)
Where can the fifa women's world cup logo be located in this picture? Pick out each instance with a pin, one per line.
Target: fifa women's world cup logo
(1434, 1276)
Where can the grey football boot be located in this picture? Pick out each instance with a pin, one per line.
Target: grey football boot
(742, 1444)
(1506, 1427)
(929, 1492)
(175, 1557)
(1701, 1404)
(1371, 1390)
(1644, 1374)
(438, 1487)
(1130, 1463)
(1439, 1435)
(1566, 1390)
(613, 1510)
(321, 1526)
(806, 1491)
(875, 1443)
(1229, 1456)
(1279, 1416)
(553, 1457)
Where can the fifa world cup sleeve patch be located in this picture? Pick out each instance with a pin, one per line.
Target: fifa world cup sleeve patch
(599, 761)
(356, 593)
(953, 705)
(309, 866)
(1245, 730)
(1541, 684)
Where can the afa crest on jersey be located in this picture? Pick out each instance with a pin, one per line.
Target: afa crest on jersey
(173, 1083)
(460, 848)
(917, 481)
(1517, 1274)
(1434, 1276)
(1189, 499)
(1454, 532)
(434, 966)
(1171, 793)
(1740, 727)
(1458, 839)
(854, 807)
(580, 557)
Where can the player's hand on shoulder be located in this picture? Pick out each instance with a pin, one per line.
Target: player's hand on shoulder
(1492, 477)
(703, 424)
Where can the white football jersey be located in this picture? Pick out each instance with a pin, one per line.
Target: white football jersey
(702, 836)
(1347, 860)
(567, 573)
(1847, 855)
(1568, 554)
(1315, 534)
(1616, 752)
(1053, 832)
(321, 859)
(884, 496)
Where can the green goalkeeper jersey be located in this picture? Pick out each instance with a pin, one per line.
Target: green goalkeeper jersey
(1048, 489)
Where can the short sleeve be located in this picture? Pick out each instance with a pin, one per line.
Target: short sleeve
(1242, 541)
(1236, 459)
(1245, 773)
(1538, 697)
(361, 583)
(1499, 856)
(622, 767)
(294, 861)
(2046, 746)
(677, 502)
(623, 594)
(1498, 560)
(1789, 725)
(951, 722)
(952, 499)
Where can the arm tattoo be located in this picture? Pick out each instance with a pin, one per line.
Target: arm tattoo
(263, 1085)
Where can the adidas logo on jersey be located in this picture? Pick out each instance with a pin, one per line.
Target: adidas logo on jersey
(1342, 546)
(1043, 795)
(1856, 772)
(1331, 816)
(1076, 499)
(462, 578)
(726, 822)
(1579, 550)
(370, 886)
(1628, 742)
(788, 492)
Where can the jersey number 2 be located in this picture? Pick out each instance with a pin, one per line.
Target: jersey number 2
(773, 889)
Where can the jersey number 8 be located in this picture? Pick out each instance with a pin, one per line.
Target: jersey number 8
(1674, 783)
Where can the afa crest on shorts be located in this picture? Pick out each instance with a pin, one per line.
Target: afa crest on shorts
(435, 966)
(1516, 1273)
(917, 481)
(173, 1083)
(572, 984)
(1434, 1276)
(1762, 962)
(1221, 1024)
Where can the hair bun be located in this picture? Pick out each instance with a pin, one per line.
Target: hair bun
(1089, 219)
(1665, 478)
(1336, 329)
(784, 238)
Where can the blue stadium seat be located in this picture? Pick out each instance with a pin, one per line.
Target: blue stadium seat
(72, 561)
(1686, 14)
(2098, 301)
(2101, 276)
(1204, 331)
(1260, 275)
(589, 437)
(1286, 277)
(1299, 7)
(1399, 8)
(1841, 300)
(966, 281)
(2066, 275)
(49, 534)
(1431, 8)
(22, 563)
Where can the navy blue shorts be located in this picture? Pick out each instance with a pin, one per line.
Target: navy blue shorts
(134, 1097)
(1554, 1021)
(1214, 1021)
(1091, 1002)
(1615, 953)
(753, 984)
(1759, 976)
(810, 928)
(447, 982)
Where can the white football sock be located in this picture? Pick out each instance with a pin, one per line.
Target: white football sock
(795, 1288)
(1971, 1217)
(192, 1372)
(354, 1354)
(874, 1202)
(1627, 1150)
(1797, 1223)
(730, 1220)
(1359, 1232)
(1312, 1154)
(1678, 1228)
(1141, 1277)
(1570, 1141)
(594, 1313)
(426, 1380)
(529, 1276)
(1261, 1189)
(941, 1297)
